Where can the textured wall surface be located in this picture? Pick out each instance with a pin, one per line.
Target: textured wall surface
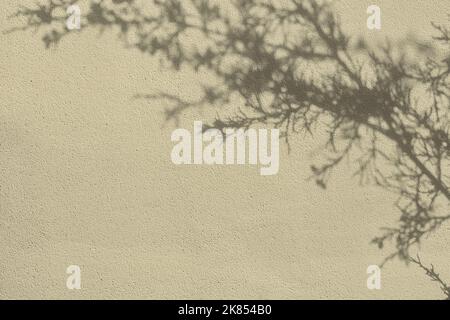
(86, 179)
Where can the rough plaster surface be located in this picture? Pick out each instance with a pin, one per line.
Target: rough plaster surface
(86, 179)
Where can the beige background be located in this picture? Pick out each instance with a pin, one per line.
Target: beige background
(86, 179)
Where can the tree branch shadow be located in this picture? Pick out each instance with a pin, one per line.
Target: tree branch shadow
(386, 108)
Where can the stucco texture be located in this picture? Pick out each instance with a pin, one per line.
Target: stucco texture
(86, 179)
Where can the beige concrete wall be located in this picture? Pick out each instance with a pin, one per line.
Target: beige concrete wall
(86, 179)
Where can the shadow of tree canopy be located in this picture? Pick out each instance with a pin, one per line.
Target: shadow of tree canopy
(385, 108)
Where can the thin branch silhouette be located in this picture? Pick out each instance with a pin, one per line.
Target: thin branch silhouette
(434, 276)
(386, 108)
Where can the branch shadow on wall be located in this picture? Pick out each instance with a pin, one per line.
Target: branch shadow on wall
(385, 107)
